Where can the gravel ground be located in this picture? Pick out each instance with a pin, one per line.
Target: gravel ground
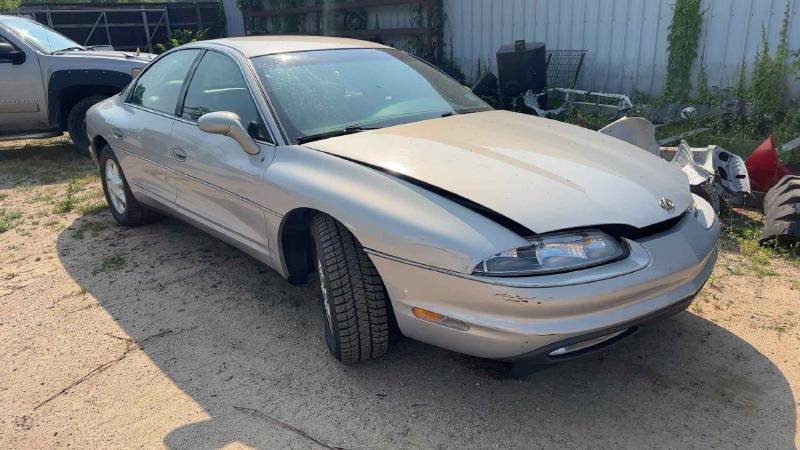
(163, 336)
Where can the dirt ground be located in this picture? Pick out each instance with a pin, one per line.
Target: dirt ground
(163, 336)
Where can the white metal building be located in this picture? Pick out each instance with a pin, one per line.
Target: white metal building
(626, 40)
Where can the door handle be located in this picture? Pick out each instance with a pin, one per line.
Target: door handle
(117, 133)
(179, 154)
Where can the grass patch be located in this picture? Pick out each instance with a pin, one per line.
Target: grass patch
(54, 225)
(42, 197)
(742, 232)
(111, 264)
(94, 227)
(92, 208)
(9, 219)
(758, 258)
(3, 196)
(10, 276)
(67, 203)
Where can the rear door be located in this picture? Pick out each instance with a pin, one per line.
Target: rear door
(23, 106)
(142, 132)
(221, 181)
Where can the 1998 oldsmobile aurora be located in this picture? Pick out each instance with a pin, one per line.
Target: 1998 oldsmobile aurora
(490, 233)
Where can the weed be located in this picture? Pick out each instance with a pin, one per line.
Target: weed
(54, 224)
(92, 208)
(41, 197)
(759, 258)
(68, 202)
(3, 196)
(94, 227)
(10, 275)
(111, 264)
(9, 219)
(778, 328)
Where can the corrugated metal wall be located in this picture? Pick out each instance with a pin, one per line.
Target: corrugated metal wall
(234, 21)
(626, 40)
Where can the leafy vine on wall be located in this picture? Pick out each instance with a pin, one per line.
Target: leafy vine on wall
(682, 41)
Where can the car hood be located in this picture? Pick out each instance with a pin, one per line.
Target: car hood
(543, 174)
(142, 58)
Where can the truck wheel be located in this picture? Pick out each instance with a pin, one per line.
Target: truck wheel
(354, 299)
(76, 122)
(124, 207)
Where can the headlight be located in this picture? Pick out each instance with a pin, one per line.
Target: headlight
(552, 253)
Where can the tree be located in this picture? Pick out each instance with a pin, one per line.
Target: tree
(6, 5)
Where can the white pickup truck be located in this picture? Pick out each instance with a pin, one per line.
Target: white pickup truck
(48, 81)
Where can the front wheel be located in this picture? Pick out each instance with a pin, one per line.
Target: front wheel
(354, 299)
(76, 122)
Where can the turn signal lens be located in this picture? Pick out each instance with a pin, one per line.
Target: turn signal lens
(440, 319)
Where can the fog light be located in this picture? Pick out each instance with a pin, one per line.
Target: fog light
(440, 319)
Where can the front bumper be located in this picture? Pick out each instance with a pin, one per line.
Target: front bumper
(518, 318)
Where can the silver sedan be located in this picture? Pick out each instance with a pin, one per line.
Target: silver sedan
(406, 198)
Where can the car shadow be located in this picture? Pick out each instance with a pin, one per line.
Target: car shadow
(247, 347)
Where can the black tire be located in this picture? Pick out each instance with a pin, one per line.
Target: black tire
(134, 213)
(76, 122)
(357, 328)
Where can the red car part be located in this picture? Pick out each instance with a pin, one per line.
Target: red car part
(764, 167)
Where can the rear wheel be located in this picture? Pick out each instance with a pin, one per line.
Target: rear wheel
(354, 300)
(124, 207)
(76, 122)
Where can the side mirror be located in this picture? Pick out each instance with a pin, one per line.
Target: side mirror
(8, 53)
(228, 124)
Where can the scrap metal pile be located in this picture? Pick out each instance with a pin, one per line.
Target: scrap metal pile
(725, 179)
(544, 82)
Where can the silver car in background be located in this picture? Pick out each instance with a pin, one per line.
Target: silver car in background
(407, 198)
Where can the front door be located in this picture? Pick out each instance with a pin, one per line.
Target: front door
(220, 181)
(142, 139)
(23, 104)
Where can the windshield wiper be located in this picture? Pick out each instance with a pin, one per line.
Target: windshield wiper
(350, 129)
(463, 111)
(69, 49)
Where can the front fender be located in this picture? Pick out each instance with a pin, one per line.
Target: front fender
(385, 213)
(91, 78)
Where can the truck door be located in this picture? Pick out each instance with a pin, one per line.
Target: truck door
(23, 103)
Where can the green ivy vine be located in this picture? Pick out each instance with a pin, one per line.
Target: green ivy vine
(682, 41)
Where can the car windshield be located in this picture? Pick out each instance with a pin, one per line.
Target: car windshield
(316, 92)
(42, 38)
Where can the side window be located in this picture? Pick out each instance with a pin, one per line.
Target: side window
(218, 85)
(160, 86)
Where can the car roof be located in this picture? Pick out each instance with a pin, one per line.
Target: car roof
(251, 46)
(5, 17)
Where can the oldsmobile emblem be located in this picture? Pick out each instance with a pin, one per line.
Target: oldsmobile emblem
(667, 203)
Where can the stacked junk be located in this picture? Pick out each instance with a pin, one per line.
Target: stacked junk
(544, 81)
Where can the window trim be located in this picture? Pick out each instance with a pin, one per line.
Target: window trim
(182, 97)
(135, 82)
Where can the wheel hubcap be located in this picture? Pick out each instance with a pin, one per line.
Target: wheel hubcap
(324, 290)
(115, 186)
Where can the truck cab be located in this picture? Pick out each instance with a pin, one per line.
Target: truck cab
(48, 81)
